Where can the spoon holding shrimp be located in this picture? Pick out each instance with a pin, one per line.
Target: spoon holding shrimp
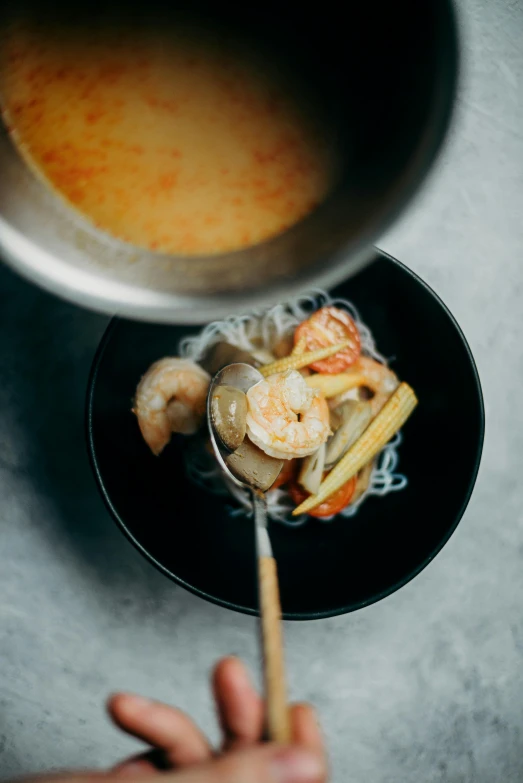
(246, 466)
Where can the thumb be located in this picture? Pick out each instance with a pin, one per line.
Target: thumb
(259, 764)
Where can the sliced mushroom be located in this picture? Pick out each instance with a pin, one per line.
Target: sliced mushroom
(284, 346)
(311, 472)
(229, 415)
(221, 354)
(352, 394)
(251, 465)
(362, 482)
(263, 356)
(356, 417)
(335, 417)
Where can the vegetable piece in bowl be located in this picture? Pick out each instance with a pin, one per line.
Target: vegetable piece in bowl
(229, 415)
(355, 418)
(363, 480)
(337, 501)
(251, 465)
(311, 472)
(389, 420)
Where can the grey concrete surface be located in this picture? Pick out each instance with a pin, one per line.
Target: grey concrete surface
(425, 686)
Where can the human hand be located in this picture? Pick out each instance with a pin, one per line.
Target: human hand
(180, 745)
(182, 754)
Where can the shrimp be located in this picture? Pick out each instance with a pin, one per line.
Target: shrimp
(375, 376)
(171, 397)
(285, 418)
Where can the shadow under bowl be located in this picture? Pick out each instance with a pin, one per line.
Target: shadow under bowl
(325, 569)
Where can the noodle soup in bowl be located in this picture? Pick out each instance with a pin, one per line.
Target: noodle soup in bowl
(199, 534)
(178, 162)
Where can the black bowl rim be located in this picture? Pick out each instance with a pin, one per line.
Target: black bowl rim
(381, 255)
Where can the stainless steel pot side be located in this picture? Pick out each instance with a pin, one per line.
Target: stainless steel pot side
(386, 73)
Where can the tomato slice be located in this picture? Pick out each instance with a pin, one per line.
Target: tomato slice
(332, 505)
(329, 326)
(286, 474)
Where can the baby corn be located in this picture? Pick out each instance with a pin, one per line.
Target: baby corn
(300, 360)
(389, 420)
(300, 346)
(332, 385)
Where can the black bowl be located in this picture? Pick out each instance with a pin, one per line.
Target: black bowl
(325, 569)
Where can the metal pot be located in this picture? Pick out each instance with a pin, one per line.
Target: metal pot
(387, 75)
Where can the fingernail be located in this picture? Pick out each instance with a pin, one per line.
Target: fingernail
(242, 673)
(142, 700)
(137, 703)
(296, 766)
(313, 713)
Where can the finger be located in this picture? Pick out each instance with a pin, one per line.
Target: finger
(134, 768)
(240, 708)
(306, 730)
(162, 727)
(68, 777)
(257, 764)
(145, 763)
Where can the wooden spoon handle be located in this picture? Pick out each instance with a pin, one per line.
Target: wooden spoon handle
(278, 719)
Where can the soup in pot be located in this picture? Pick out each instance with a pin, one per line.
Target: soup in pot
(182, 142)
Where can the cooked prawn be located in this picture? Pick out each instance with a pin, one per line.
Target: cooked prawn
(171, 397)
(377, 377)
(285, 418)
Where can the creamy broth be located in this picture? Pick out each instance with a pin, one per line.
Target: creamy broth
(177, 143)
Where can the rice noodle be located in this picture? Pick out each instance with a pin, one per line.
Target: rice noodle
(263, 329)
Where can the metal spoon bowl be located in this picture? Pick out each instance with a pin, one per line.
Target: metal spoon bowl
(241, 376)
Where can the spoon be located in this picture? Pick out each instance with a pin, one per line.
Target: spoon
(243, 376)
